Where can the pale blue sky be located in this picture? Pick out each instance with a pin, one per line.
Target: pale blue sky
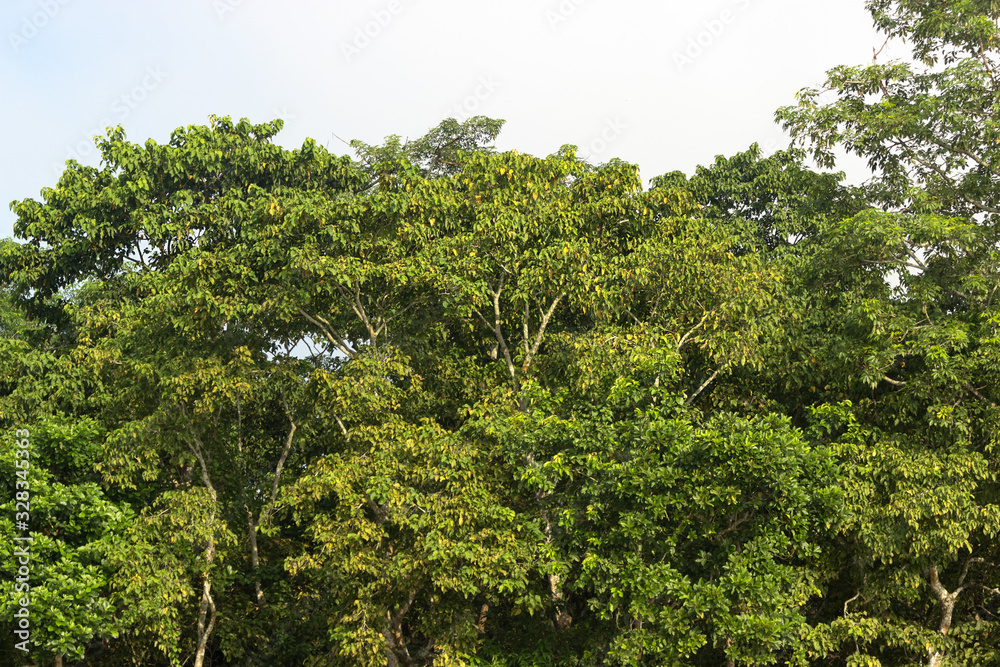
(666, 85)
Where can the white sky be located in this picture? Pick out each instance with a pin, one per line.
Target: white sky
(666, 85)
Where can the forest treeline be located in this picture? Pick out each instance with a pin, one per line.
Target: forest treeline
(445, 405)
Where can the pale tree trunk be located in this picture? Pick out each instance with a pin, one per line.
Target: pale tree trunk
(531, 347)
(267, 512)
(729, 661)
(481, 624)
(206, 610)
(563, 618)
(390, 654)
(396, 652)
(254, 557)
(935, 658)
(253, 523)
(251, 520)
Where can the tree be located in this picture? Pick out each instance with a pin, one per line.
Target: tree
(437, 153)
(73, 524)
(175, 369)
(927, 127)
(319, 506)
(448, 405)
(911, 341)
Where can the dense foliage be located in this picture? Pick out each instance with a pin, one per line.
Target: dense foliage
(450, 406)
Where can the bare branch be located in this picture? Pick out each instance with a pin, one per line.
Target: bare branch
(690, 333)
(702, 387)
(965, 572)
(856, 596)
(359, 310)
(265, 516)
(875, 54)
(524, 324)
(197, 448)
(324, 327)
(415, 302)
(541, 332)
(978, 395)
(911, 154)
(497, 329)
(341, 425)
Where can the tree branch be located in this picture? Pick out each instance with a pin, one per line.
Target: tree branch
(702, 387)
(497, 329)
(265, 515)
(690, 333)
(541, 332)
(324, 327)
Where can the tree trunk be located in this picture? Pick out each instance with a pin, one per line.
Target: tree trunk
(206, 611)
(531, 348)
(563, 618)
(481, 624)
(396, 652)
(254, 557)
(390, 655)
(935, 658)
(207, 608)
